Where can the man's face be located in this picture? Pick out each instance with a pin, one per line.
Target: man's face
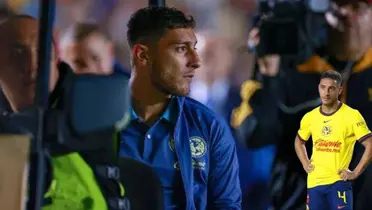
(329, 91)
(351, 27)
(173, 62)
(92, 55)
(18, 60)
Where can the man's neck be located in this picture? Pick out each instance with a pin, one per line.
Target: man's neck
(147, 101)
(329, 109)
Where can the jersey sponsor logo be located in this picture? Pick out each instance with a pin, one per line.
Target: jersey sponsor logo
(326, 130)
(325, 121)
(200, 165)
(327, 146)
(361, 124)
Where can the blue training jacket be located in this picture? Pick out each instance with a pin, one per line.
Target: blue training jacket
(203, 140)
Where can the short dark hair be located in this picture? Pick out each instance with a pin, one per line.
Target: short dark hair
(80, 31)
(332, 74)
(8, 22)
(151, 23)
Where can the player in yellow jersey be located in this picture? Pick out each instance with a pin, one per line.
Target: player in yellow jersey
(334, 128)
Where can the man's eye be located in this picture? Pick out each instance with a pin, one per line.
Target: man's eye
(181, 49)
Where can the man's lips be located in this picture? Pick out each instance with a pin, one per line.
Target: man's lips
(189, 75)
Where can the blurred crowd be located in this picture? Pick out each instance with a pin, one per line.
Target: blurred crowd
(92, 37)
(219, 20)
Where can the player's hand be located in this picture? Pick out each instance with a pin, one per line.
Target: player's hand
(309, 167)
(268, 64)
(347, 175)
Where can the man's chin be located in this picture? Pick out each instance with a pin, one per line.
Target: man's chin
(327, 103)
(181, 92)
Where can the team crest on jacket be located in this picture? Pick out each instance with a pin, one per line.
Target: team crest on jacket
(326, 130)
(198, 147)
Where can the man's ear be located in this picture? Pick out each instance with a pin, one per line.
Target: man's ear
(140, 53)
(340, 90)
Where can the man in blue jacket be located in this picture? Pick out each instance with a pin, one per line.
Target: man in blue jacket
(189, 147)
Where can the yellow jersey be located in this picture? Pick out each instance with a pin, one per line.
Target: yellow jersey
(334, 136)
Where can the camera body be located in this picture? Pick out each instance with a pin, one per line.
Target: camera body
(288, 27)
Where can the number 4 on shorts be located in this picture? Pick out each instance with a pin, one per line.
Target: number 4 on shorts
(342, 195)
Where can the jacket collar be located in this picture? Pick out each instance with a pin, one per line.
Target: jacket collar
(171, 113)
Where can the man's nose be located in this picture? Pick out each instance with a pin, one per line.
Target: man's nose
(195, 60)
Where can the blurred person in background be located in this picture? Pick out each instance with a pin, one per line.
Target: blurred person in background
(88, 49)
(211, 85)
(189, 147)
(67, 11)
(5, 12)
(19, 61)
(68, 171)
(255, 123)
(349, 52)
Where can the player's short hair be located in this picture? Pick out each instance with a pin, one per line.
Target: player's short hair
(332, 74)
(8, 21)
(13, 16)
(151, 23)
(82, 30)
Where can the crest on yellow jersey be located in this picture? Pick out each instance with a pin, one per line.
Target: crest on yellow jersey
(326, 130)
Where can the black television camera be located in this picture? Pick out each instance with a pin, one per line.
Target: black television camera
(288, 27)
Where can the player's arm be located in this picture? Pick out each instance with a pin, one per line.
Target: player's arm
(302, 136)
(364, 136)
(366, 158)
(223, 180)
